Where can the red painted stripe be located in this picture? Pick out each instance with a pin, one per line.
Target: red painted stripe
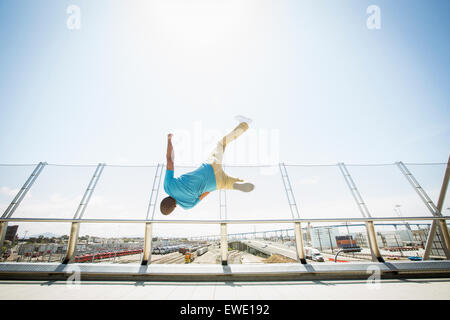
(331, 259)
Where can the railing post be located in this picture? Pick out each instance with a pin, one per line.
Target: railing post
(154, 194)
(435, 210)
(3, 227)
(75, 227)
(442, 223)
(23, 191)
(224, 244)
(73, 238)
(442, 194)
(371, 235)
(430, 240)
(223, 214)
(147, 252)
(289, 192)
(89, 191)
(18, 199)
(372, 238)
(299, 243)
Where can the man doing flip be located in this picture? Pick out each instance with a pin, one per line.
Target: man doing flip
(188, 189)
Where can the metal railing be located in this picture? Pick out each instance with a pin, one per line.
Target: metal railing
(146, 257)
(438, 220)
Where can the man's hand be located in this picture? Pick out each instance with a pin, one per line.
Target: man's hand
(169, 136)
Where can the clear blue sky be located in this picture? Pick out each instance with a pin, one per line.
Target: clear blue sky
(336, 91)
(311, 71)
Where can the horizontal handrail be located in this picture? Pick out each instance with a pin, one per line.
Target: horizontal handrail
(225, 165)
(216, 221)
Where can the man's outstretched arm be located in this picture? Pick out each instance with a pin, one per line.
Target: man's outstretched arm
(170, 154)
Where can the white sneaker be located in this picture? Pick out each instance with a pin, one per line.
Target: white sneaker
(241, 119)
(243, 186)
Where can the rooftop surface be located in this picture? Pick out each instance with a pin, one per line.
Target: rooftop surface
(277, 290)
(401, 280)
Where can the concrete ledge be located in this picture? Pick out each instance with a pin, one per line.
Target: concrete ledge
(216, 272)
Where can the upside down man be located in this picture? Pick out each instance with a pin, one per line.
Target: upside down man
(190, 188)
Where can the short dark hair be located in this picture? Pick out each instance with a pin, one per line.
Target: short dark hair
(168, 204)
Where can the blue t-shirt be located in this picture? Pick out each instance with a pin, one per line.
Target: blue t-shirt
(187, 188)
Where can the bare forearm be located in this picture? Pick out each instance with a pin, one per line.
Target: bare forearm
(170, 153)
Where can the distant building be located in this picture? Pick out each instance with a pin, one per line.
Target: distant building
(406, 235)
(42, 248)
(420, 236)
(386, 239)
(345, 242)
(361, 239)
(389, 239)
(11, 232)
(95, 239)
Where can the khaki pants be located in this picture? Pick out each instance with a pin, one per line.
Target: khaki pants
(224, 181)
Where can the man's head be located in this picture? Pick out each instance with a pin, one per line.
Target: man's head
(168, 204)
